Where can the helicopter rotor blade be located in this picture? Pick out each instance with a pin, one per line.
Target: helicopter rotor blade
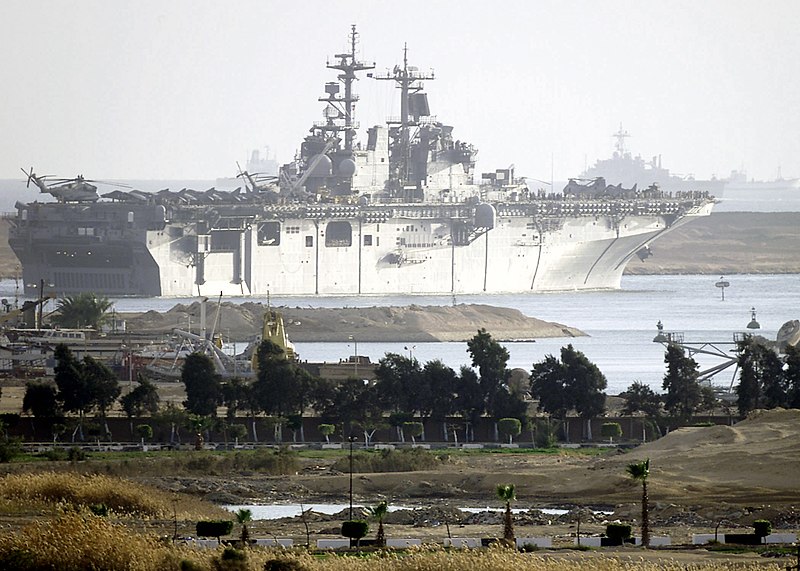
(108, 182)
(29, 175)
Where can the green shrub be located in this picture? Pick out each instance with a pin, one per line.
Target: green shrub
(618, 531)
(55, 455)
(406, 460)
(99, 509)
(145, 431)
(762, 527)
(326, 430)
(283, 565)
(231, 559)
(355, 529)
(280, 461)
(509, 427)
(8, 451)
(214, 528)
(75, 454)
(544, 433)
(262, 460)
(610, 430)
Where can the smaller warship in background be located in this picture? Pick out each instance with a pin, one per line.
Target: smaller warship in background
(398, 213)
(628, 170)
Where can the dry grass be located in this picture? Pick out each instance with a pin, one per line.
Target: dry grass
(76, 491)
(76, 541)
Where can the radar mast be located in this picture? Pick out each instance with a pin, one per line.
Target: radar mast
(348, 65)
(620, 136)
(409, 81)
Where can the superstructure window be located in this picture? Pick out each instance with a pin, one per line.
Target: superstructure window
(368, 239)
(309, 241)
(338, 233)
(269, 234)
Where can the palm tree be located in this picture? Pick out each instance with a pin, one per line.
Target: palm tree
(82, 310)
(505, 492)
(379, 512)
(639, 471)
(243, 516)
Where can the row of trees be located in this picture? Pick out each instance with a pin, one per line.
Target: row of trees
(406, 391)
(81, 388)
(766, 380)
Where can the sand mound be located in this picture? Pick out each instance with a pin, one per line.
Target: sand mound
(762, 432)
(413, 323)
(758, 457)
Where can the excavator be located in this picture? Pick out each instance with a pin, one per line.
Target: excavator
(274, 331)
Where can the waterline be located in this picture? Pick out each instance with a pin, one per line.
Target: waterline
(276, 511)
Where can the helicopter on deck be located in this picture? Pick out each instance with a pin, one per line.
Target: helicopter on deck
(76, 189)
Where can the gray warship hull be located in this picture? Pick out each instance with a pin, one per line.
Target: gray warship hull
(399, 214)
(550, 245)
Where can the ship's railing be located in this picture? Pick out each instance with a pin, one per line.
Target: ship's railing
(238, 215)
(338, 123)
(425, 120)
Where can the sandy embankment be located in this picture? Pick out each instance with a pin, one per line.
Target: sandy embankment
(411, 323)
(700, 476)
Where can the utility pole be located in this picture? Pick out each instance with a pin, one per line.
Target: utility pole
(351, 439)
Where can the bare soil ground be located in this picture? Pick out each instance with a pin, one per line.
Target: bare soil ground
(727, 243)
(699, 477)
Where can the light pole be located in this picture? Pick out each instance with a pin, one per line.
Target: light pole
(351, 439)
(175, 519)
(40, 312)
(355, 348)
(41, 304)
(410, 349)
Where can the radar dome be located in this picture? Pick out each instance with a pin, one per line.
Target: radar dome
(485, 215)
(322, 166)
(347, 167)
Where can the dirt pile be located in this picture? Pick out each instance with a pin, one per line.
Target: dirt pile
(411, 323)
(754, 462)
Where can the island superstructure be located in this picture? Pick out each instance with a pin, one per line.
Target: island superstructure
(397, 213)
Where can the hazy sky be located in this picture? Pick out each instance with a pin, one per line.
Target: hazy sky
(183, 89)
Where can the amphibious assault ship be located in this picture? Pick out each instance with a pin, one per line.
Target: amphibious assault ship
(400, 213)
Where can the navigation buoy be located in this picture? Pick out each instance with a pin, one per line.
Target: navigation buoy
(660, 337)
(722, 284)
(753, 323)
